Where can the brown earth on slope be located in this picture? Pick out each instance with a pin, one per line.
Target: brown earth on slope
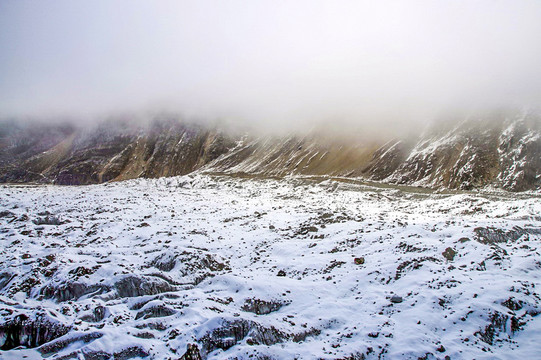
(499, 151)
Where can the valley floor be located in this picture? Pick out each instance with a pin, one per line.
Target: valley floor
(269, 269)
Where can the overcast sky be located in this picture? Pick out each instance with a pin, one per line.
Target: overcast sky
(269, 62)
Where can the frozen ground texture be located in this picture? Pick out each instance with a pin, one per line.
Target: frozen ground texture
(269, 269)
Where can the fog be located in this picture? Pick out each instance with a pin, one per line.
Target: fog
(270, 64)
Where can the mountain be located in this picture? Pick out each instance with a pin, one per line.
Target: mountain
(113, 150)
(496, 151)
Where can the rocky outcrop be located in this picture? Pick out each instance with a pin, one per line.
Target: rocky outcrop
(231, 332)
(262, 307)
(491, 235)
(192, 353)
(30, 330)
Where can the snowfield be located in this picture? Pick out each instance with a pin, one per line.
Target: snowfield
(297, 268)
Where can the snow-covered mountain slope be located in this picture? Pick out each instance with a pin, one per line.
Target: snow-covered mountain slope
(113, 150)
(475, 153)
(302, 268)
(493, 151)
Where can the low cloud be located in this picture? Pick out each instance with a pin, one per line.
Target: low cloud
(272, 65)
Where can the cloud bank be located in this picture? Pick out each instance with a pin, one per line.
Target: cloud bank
(273, 64)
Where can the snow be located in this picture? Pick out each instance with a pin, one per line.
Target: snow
(214, 242)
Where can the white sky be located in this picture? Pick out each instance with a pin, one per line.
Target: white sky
(269, 62)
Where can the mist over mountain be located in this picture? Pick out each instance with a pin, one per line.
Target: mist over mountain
(276, 66)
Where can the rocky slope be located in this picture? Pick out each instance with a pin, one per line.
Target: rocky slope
(113, 150)
(498, 151)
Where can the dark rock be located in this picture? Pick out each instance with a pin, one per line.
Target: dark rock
(132, 286)
(54, 347)
(413, 264)
(72, 290)
(48, 219)
(306, 229)
(333, 265)
(6, 213)
(491, 235)
(190, 263)
(513, 304)
(358, 260)
(164, 262)
(5, 278)
(98, 314)
(95, 355)
(144, 335)
(405, 247)
(281, 273)
(497, 324)
(449, 254)
(192, 353)
(155, 312)
(130, 353)
(298, 337)
(396, 299)
(30, 330)
(261, 307)
(231, 332)
(82, 271)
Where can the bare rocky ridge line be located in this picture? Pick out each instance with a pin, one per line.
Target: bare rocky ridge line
(502, 152)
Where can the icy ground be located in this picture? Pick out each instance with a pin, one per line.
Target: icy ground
(268, 269)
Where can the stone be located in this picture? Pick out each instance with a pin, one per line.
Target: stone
(192, 353)
(261, 307)
(449, 254)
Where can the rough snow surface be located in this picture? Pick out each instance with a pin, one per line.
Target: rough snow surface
(275, 269)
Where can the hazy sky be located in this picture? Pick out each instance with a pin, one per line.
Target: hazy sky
(269, 62)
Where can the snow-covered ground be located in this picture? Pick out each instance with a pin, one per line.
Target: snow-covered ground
(270, 269)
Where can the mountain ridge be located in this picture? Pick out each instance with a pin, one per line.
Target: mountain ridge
(501, 152)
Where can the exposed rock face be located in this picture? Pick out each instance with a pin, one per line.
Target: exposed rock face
(20, 142)
(71, 291)
(261, 307)
(520, 154)
(132, 286)
(114, 150)
(232, 332)
(500, 151)
(504, 152)
(30, 331)
(192, 353)
(490, 235)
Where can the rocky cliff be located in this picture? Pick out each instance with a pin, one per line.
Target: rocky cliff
(113, 150)
(498, 151)
(503, 152)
